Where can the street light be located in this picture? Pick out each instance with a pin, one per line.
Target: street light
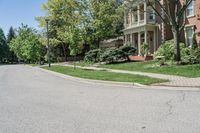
(48, 47)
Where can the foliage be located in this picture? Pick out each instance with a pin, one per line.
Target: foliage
(117, 54)
(11, 35)
(166, 49)
(110, 55)
(74, 22)
(26, 45)
(128, 50)
(194, 42)
(93, 55)
(144, 49)
(107, 18)
(4, 49)
(65, 24)
(192, 56)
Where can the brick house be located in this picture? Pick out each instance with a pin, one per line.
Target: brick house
(143, 26)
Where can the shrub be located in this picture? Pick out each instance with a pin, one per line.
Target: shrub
(192, 57)
(112, 55)
(117, 54)
(128, 50)
(93, 55)
(144, 49)
(167, 50)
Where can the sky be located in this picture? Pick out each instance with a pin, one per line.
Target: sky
(15, 12)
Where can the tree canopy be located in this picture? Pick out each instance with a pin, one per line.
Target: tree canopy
(26, 44)
(4, 49)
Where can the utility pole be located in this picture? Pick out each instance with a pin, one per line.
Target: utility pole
(48, 47)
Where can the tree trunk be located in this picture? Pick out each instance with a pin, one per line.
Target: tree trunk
(177, 53)
(64, 51)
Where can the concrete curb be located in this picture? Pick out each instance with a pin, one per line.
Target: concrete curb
(119, 84)
(90, 81)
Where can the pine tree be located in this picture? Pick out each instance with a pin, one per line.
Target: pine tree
(3, 47)
(11, 35)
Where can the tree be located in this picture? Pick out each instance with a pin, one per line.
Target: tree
(3, 47)
(11, 35)
(106, 18)
(26, 45)
(64, 15)
(172, 13)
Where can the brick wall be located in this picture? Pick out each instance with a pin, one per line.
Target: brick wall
(195, 20)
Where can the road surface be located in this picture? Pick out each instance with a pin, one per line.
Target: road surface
(35, 101)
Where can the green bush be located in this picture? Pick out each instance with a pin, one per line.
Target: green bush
(192, 56)
(167, 50)
(189, 55)
(93, 55)
(144, 49)
(127, 50)
(112, 55)
(117, 54)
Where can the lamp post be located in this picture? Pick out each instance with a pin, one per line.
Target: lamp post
(48, 47)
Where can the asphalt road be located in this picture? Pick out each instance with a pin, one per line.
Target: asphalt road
(35, 101)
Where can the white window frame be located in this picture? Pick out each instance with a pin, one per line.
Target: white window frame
(189, 39)
(190, 7)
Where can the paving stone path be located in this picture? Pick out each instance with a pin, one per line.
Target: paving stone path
(176, 81)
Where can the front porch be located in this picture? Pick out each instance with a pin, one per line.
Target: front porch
(139, 36)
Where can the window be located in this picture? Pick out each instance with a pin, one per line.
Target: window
(128, 38)
(190, 9)
(135, 17)
(189, 35)
(151, 16)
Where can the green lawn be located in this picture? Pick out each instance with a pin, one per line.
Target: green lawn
(104, 75)
(33, 65)
(150, 66)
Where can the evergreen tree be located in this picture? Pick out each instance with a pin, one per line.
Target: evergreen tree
(3, 47)
(11, 35)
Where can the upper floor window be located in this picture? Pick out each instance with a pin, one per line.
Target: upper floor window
(151, 14)
(190, 9)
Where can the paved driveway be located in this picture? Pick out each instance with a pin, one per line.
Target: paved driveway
(35, 101)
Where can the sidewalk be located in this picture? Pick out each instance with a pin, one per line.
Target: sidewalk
(174, 81)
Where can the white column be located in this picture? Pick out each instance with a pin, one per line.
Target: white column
(145, 36)
(125, 38)
(154, 40)
(138, 14)
(145, 13)
(125, 19)
(139, 43)
(131, 39)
